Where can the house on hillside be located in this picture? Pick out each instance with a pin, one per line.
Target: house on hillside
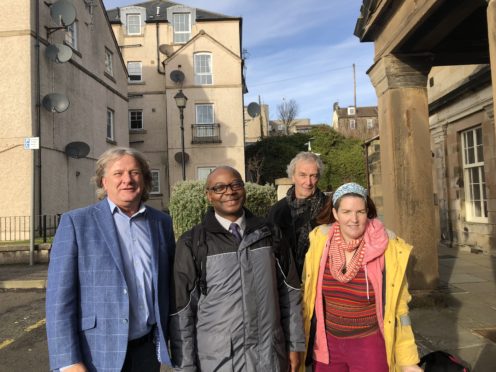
(63, 86)
(278, 128)
(170, 48)
(356, 122)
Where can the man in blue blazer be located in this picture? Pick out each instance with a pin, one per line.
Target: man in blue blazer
(107, 303)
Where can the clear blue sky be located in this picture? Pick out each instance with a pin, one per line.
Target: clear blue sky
(301, 50)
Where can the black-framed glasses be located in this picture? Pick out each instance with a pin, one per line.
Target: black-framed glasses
(221, 188)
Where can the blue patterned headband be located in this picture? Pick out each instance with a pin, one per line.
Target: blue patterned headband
(349, 188)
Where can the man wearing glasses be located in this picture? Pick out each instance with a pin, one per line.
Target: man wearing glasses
(237, 302)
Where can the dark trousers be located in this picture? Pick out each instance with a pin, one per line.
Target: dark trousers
(141, 355)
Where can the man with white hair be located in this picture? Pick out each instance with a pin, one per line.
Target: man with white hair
(295, 214)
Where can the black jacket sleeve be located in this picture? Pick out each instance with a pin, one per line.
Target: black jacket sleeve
(185, 295)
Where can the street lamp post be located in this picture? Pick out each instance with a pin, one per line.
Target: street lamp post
(181, 105)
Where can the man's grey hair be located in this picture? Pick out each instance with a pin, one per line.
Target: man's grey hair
(305, 156)
(114, 154)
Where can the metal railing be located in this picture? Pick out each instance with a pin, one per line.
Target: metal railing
(205, 133)
(16, 228)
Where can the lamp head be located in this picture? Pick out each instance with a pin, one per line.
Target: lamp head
(181, 99)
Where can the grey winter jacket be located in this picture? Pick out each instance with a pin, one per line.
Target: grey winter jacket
(250, 317)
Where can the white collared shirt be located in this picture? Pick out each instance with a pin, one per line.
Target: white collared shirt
(225, 223)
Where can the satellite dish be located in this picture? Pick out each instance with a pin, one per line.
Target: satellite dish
(253, 109)
(59, 53)
(63, 13)
(178, 156)
(165, 49)
(77, 150)
(55, 102)
(177, 76)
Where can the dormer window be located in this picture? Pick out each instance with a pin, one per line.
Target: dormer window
(133, 24)
(181, 23)
(351, 111)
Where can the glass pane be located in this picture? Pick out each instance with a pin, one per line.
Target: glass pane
(181, 38)
(204, 114)
(477, 196)
(474, 175)
(133, 24)
(134, 71)
(110, 120)
(155, 182)
(470, 139)
(477, 209)
(181, 22)
(136, 120)
(470, 155)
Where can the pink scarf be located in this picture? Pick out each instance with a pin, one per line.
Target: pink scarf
(337, 260)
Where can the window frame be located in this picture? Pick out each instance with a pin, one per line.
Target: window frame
(110, 124)
(109, 61)
(202, 131)
(351, 110)
(370, 123)
(198, 169)
(71, 35)
(130, 119)
(468, 167)
(129, 76)
(200, 75)
(155, 182)
(352, 124)
(131, 15)
(179, 40)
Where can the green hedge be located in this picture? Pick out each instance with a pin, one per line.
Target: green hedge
(188, 203)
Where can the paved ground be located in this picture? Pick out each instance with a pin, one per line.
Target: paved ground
(458, 317)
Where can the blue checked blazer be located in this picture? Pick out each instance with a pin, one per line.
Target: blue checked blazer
(87, 306)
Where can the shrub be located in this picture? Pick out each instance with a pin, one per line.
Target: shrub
(188, 203)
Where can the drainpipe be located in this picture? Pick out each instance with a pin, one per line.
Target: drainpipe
(158, 51)
(36, 154)
(167, 175)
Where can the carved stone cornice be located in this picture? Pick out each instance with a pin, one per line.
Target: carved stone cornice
(392, 72)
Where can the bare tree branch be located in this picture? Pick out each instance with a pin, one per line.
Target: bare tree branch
(288, 110)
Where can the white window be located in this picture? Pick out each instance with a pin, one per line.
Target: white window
(473, 174)
(370, 123)
(133, 24)
(109, 63)
(110, 124)
(135, 119)
(203, 69)
(71, 36)
(203, 172)
(155, 182)
(134, 72)
(204, 120)
(181, 22)
(352, 124)
(351, 110)
(280, 127)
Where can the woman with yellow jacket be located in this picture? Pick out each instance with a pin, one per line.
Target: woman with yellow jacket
(355, 299)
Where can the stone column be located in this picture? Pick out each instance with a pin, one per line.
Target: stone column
(406, 162)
